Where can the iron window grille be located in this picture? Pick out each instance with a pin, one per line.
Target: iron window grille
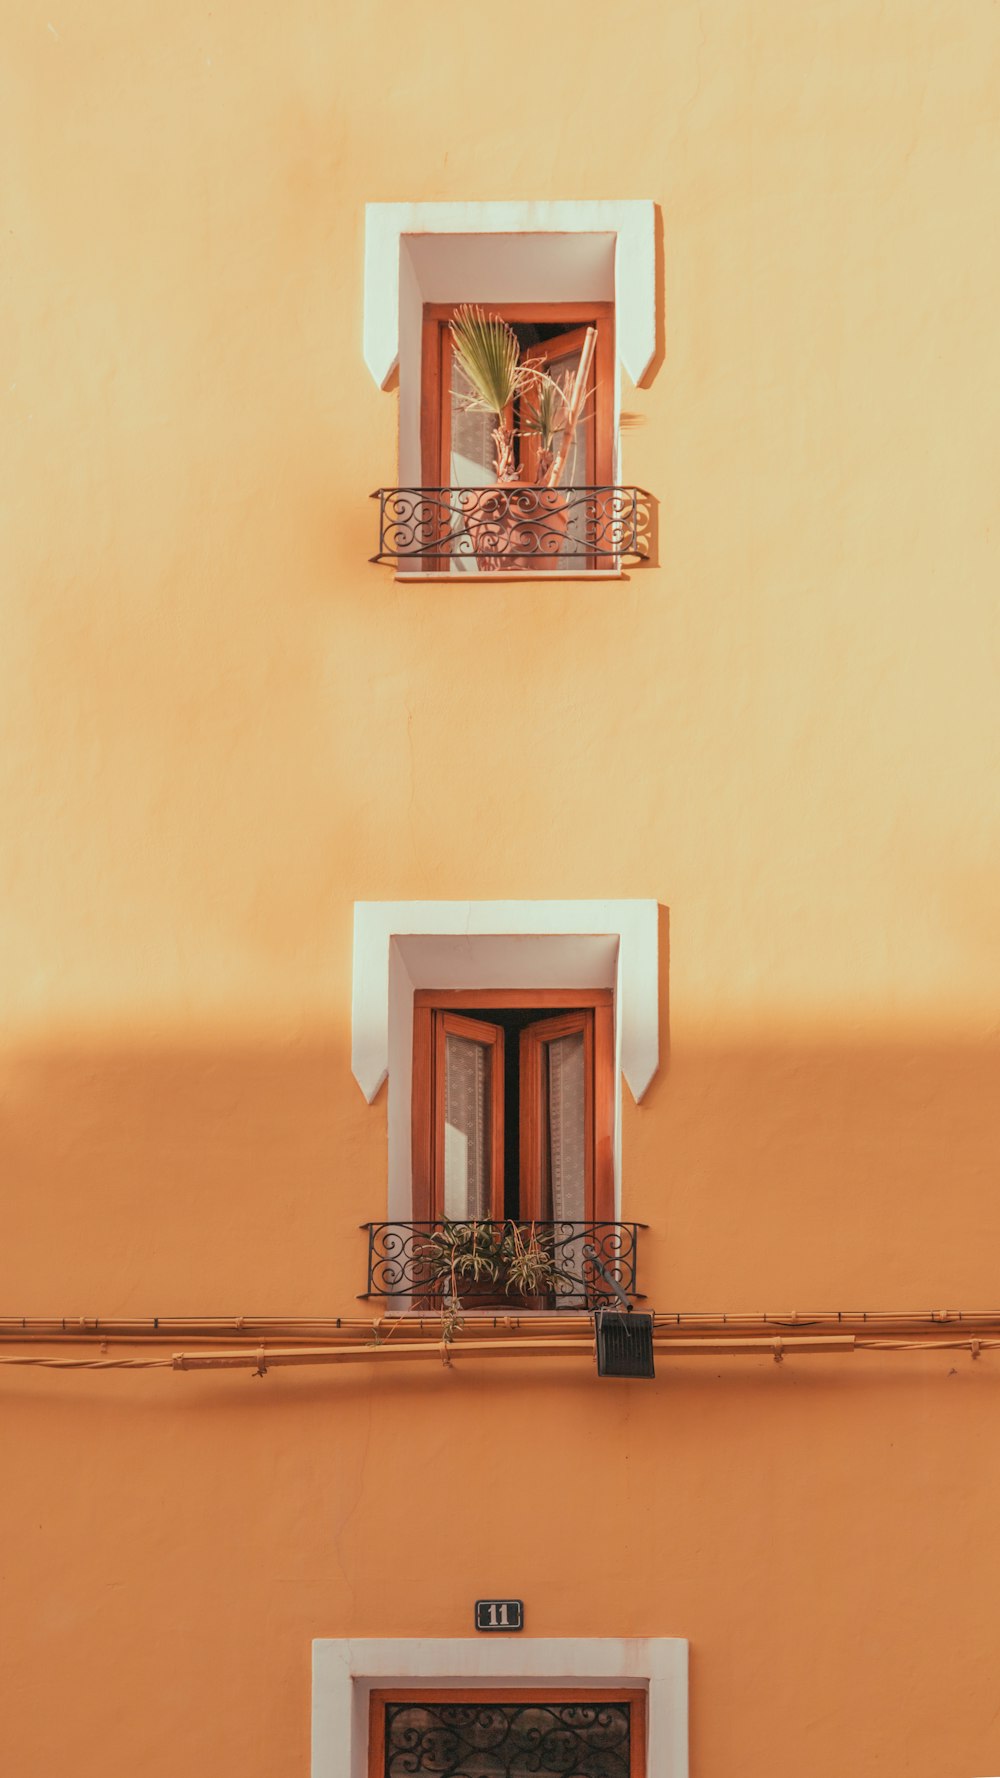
(550, 1738)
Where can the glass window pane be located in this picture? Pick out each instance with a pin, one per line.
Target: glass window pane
(471, 447)
(576, 473)
(466, 1128)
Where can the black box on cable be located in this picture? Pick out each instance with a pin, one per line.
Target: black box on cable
(624, 1344)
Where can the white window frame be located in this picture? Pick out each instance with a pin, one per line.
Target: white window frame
(403, 945)
(502, 252)
(346, 1671)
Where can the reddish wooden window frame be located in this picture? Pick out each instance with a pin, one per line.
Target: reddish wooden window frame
(523, 1694)
(435, 1012)
(436, 379)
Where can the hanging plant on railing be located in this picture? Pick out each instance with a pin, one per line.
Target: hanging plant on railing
(517, 524)
(477, 1259)
(530, 1262)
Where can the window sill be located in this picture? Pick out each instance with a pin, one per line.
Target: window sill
(465, 580)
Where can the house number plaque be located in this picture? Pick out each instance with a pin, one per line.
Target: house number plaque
(499, 1614)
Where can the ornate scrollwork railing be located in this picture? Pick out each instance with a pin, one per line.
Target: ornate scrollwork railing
(512, 529)
(428, 1262)
(548, 1737)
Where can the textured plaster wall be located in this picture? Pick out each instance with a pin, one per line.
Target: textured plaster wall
(219, 727)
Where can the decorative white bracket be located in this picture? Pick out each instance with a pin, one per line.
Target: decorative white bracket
(628, 222)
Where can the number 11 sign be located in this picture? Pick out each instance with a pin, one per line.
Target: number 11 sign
(499, 1614)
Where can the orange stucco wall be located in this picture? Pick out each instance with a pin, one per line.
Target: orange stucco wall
(221, 727)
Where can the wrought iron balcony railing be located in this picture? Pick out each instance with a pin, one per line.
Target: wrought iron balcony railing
(511, 529)
(429, 1262)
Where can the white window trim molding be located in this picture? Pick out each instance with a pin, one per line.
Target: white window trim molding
(346, 1671)
(634, 923)
(630, 220)
(495, 944)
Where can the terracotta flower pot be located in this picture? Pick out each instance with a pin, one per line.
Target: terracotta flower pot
(516, 526)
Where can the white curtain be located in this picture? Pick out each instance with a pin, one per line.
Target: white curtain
(566, 1127)
(466, 1129)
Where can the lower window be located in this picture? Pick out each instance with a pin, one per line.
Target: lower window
(553, 1733)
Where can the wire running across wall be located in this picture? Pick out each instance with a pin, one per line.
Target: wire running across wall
(265, 1343)
(898, 1322)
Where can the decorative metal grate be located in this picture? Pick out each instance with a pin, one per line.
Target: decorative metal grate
(414, 1259)
(515, 528)
(493, 1740)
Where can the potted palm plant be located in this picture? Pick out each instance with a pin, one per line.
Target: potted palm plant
(517, 524)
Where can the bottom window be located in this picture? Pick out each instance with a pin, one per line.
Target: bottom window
(507, 1734)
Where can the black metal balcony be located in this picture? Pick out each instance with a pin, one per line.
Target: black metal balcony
(512, 529)
(501, 1264)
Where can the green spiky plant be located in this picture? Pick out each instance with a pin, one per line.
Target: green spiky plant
(459, 1254)
(544, 411)
(529, 1262)
(465, 1253)
(488, 357)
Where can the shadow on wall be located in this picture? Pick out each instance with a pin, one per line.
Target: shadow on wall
(656, 362)
(771, 1175)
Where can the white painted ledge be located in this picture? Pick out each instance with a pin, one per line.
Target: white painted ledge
(628, 222)
(345, 1672)
(466, 581)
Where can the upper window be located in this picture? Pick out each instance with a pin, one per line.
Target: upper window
(563, 277)
(517, 440)
(513, 1105)
(457, 438)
